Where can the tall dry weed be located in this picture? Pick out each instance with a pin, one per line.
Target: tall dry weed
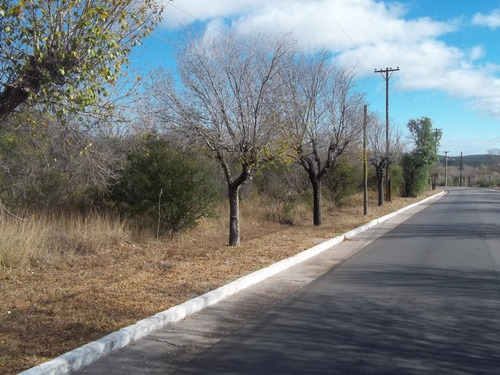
(40, 240)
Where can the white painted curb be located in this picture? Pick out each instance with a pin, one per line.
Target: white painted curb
(86, 354)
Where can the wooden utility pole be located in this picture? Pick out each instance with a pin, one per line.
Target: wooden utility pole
(385, 73)
(365, 166)
(446, 168)
(435, 175)
(461, 167)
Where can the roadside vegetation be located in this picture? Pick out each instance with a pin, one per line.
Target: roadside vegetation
(123, 196)
(77, 281)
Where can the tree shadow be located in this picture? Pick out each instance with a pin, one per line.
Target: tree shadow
(395, 320)
(465, 231)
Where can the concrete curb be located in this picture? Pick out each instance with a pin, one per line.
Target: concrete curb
(86, 354)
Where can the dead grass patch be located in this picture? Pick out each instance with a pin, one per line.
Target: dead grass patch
(82, 295)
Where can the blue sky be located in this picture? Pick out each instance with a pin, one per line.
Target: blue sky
(448, 52)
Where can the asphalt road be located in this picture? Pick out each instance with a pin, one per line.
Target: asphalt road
(424, 298)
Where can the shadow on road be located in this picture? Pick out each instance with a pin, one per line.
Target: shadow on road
(396, 320)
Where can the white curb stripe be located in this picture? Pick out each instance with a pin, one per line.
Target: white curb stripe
(91, 352)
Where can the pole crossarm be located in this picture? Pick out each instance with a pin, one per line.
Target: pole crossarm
(386, 71)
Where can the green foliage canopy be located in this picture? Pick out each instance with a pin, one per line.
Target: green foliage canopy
(426, 141)
(344, 181)
(156, 176)
(63, 53)
(419, 163)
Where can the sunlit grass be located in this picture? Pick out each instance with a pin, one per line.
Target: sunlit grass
(38, 240)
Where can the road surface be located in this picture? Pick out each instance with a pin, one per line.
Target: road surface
(422, 299)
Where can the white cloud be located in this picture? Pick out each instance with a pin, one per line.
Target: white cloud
(491, 20)
(476, 53)
(367, 34)
(433, 65)
(182, 13)
(334, 24)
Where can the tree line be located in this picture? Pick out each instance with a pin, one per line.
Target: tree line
(237, 110)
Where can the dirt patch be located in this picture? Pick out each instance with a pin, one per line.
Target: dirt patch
(48, 311)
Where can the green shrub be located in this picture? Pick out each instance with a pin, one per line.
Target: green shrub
(160, 184)
(343, 181)
(415, 175)
(397, 180)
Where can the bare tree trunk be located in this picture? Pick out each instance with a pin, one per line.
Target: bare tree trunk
(234, 215)
(317, 212)
(380, 183)
(10, 99)
(233, 192)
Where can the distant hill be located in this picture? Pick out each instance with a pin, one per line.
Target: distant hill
(472, 160)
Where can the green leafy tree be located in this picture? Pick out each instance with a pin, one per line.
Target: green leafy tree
(156, 175)
(63, 53)
(419, 163)
(415, 175)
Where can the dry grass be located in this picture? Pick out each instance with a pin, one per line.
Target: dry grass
(42, 240)
(94, 279)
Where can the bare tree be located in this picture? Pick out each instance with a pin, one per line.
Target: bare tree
(324, 117)
(229, 98)
(377, 150)
(50, 164)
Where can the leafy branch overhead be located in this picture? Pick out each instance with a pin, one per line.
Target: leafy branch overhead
(63, 53)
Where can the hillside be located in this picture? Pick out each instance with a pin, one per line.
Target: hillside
(472, 160)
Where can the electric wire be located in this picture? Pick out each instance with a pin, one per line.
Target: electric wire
(346, 33)
(485, 146)
(383, 57)
(338, 23)
(210, 26)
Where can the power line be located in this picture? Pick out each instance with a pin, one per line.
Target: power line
(166, 40)
(211, 27)
(338, 23)
(389, 52)
(357, 23)
(485, 146)
(322, 2)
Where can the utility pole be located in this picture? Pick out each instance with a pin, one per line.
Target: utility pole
(385, 73)
(461, 167)
(446, 168)
(365, 166)
(435, 174)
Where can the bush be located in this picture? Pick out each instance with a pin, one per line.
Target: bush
(343, 182)
(160, 183)
(397, 180)
(415, 176)
(282, 185)
(52, 167)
